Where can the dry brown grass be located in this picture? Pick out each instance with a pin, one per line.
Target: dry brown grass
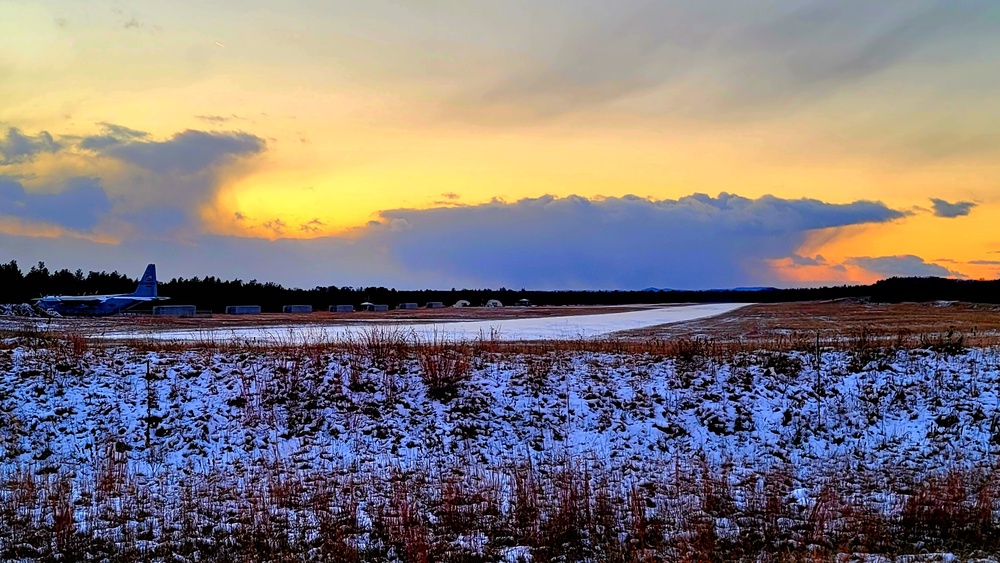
(835, 325)
(794, 325)
(568, 510)
(812, 326)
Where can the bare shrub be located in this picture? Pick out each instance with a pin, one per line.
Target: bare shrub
(444, 366)
(382, 348)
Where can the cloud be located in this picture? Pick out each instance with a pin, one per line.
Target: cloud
(276, 225)
(188, 152)
(900, 266)
(807, 261)
(214, 119)
(826, 44)
(79, 205)
(156, 184)
(951, 210)
(985, 262)
(544, 243)
(16, 147)
(611, 60)
(112, 135)
(627, 242)
(312, 226)
(726, 55)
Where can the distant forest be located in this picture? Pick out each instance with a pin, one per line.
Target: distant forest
(211, 293)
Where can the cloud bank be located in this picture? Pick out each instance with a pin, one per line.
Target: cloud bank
(627, 242)
(630, 242)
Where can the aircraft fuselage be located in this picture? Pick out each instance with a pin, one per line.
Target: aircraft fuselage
(98, 305)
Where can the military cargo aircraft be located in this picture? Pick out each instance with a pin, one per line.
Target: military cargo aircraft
(97, 305)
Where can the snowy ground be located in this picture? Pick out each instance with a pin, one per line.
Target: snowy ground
(912, 410)
(874, 423)
(544, 328)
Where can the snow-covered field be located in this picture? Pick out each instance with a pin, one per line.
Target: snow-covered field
(397, 453)
(543, 328)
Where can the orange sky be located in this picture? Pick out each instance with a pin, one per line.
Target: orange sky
(363, 109)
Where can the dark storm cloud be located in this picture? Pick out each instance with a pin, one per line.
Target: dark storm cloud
(951, 210)
(16, 147)
(188, 152)
(80, 203)
(628, 242)
(899, 266)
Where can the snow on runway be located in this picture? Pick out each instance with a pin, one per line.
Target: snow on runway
(542, 328)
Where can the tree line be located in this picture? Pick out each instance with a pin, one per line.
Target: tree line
(214, 294)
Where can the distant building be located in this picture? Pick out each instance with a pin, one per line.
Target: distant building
(373, 307)
(341, 308)
(494, 303)
(243, 310)
(408, 306)
(461, 303)
(522, 303)
(175, 310)
(297, 309)
(434, 305)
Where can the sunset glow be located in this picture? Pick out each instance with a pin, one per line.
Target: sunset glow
(337, 128)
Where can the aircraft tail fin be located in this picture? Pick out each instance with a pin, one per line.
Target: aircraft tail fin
(147, 283)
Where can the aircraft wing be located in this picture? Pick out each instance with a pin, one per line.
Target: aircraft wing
(82, 299)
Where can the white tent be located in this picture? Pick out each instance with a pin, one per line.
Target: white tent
(494, 303)
(461, 303)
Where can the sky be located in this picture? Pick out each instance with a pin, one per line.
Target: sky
(550, 144)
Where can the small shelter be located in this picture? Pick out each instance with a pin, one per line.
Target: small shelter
(494, 303)
(243, 310)
(407, 306)
(297, 309)
(434, 305)
(174, 310)
(341, 308)
(522, 303)
(461, 303)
